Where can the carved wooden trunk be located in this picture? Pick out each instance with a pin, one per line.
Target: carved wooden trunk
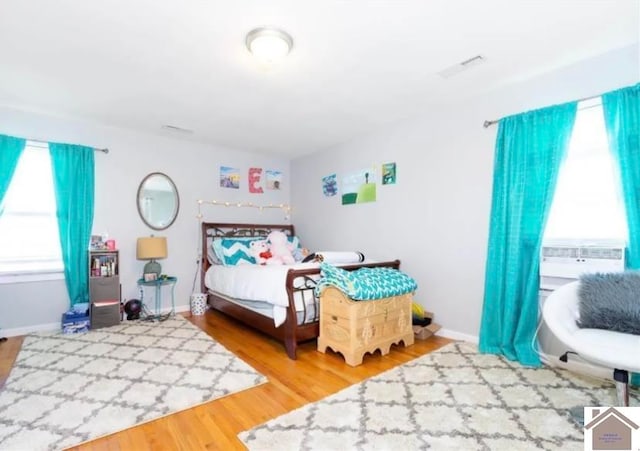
(354, 328)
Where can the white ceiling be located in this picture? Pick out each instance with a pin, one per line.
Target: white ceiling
(355, 66)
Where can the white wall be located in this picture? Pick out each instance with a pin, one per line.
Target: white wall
(193, 167)
(436, 218)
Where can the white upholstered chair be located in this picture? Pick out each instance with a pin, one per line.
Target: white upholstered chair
(616, 350)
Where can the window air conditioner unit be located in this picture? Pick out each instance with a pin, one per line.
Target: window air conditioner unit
(563, 262)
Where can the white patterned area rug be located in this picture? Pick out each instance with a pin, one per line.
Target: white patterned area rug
(67, 389)
(453, 398)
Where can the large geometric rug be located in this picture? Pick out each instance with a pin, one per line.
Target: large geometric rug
(67, 389)
(453, 398)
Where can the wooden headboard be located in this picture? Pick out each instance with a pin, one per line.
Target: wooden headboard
(211, 230)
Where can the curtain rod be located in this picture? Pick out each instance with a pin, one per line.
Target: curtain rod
(44, 143)
(488, 124)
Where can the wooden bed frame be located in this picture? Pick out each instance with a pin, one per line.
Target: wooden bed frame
(290, 333)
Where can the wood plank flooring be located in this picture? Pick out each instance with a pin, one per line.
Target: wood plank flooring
(216, 424)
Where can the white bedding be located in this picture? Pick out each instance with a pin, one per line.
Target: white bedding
(255, 282)
(258, 283)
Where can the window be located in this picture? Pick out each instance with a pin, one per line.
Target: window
(587, 204)
(29, 240)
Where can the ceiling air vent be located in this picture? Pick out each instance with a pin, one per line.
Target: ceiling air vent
(176, 129)
(462, 66)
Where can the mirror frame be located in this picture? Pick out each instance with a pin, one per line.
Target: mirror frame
(177, 195)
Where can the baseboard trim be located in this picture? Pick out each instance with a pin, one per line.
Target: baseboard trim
(14, 332)
(455, 335)
(50, 327)
(574, 364)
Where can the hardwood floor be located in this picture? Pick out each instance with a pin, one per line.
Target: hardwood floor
(215, 425)
(8, 353)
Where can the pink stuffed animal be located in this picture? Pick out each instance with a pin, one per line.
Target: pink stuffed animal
(280, 249)
(258, 249)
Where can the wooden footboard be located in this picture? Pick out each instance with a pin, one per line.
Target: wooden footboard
(300, 283)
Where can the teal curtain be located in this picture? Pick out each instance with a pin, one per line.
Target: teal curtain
(73, 181)
(529, 150)
(622, 119)
(10, 151)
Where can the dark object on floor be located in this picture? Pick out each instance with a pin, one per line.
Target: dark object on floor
(3, 339)
(415, 321)
(565, 357)
(133, 308)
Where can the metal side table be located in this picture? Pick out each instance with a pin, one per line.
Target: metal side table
(158, 284)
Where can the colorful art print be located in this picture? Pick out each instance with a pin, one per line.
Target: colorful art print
(274, 179)
(229, 177)
(255, 180)
(359, 187)
(389, 174)
(330, 185)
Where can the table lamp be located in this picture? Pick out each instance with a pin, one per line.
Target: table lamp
(152, 248)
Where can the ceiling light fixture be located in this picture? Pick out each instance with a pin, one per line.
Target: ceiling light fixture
(269, 45)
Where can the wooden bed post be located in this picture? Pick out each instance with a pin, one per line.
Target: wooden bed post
(290, 343)
(204, 260)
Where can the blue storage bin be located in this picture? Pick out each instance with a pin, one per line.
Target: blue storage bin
(75, 323)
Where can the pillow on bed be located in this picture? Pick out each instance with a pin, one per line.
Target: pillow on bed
(211, 254)
(295, 241)
(334, 257)
(235, 251)
(610, 301)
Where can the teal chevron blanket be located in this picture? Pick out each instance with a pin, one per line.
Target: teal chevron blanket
(366, 283)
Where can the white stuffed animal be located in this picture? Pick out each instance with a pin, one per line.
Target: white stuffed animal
(260, 251)
(280, 249)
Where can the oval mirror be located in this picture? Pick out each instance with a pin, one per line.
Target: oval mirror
(158, 201)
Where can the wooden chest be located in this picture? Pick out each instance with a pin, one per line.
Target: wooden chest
(354, 328)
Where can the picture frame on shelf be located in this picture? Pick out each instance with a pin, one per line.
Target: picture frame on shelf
(150, 277)
(97, 244)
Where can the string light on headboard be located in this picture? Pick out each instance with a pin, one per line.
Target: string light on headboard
(286, 208)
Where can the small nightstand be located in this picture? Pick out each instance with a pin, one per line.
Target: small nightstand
(158, 284)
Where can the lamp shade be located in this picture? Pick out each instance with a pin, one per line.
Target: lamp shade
(151, 247)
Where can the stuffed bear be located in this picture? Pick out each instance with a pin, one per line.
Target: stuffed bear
(259, 250)
(280, 249)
